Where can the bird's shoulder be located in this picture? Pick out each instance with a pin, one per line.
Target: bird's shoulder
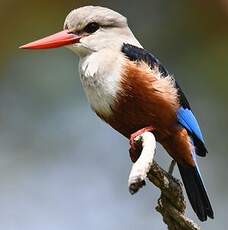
(134, 53)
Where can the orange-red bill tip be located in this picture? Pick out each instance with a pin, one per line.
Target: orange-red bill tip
(59, 39)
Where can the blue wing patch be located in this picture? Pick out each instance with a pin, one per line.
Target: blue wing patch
(187, 119)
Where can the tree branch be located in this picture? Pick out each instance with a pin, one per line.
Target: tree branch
(171, 204)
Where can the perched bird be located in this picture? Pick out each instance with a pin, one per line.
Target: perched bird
(130, 89)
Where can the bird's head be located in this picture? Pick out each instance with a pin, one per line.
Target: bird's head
(89, 29)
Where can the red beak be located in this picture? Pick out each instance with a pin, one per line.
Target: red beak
(62, 38)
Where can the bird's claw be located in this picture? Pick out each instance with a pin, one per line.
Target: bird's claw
(136, 146)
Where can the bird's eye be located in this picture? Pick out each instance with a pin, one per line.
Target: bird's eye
(92, 27)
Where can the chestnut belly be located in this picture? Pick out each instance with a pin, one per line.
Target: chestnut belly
(168, 133)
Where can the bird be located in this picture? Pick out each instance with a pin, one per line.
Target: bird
(130, 89)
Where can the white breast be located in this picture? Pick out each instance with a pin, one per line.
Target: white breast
(100, 77)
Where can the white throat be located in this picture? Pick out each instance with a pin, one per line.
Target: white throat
(100, 71)
(100, 74)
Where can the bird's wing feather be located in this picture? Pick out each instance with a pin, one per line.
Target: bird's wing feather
(191, 175)
(184, 114)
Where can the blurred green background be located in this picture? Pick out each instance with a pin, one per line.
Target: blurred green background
(61, 167)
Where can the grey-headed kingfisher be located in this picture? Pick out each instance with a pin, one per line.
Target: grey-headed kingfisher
(130, 89)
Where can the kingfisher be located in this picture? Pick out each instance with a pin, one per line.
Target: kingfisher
(129, 88)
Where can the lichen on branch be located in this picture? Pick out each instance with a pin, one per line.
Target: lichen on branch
(171, 204)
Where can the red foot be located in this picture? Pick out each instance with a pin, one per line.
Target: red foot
(136, 148)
